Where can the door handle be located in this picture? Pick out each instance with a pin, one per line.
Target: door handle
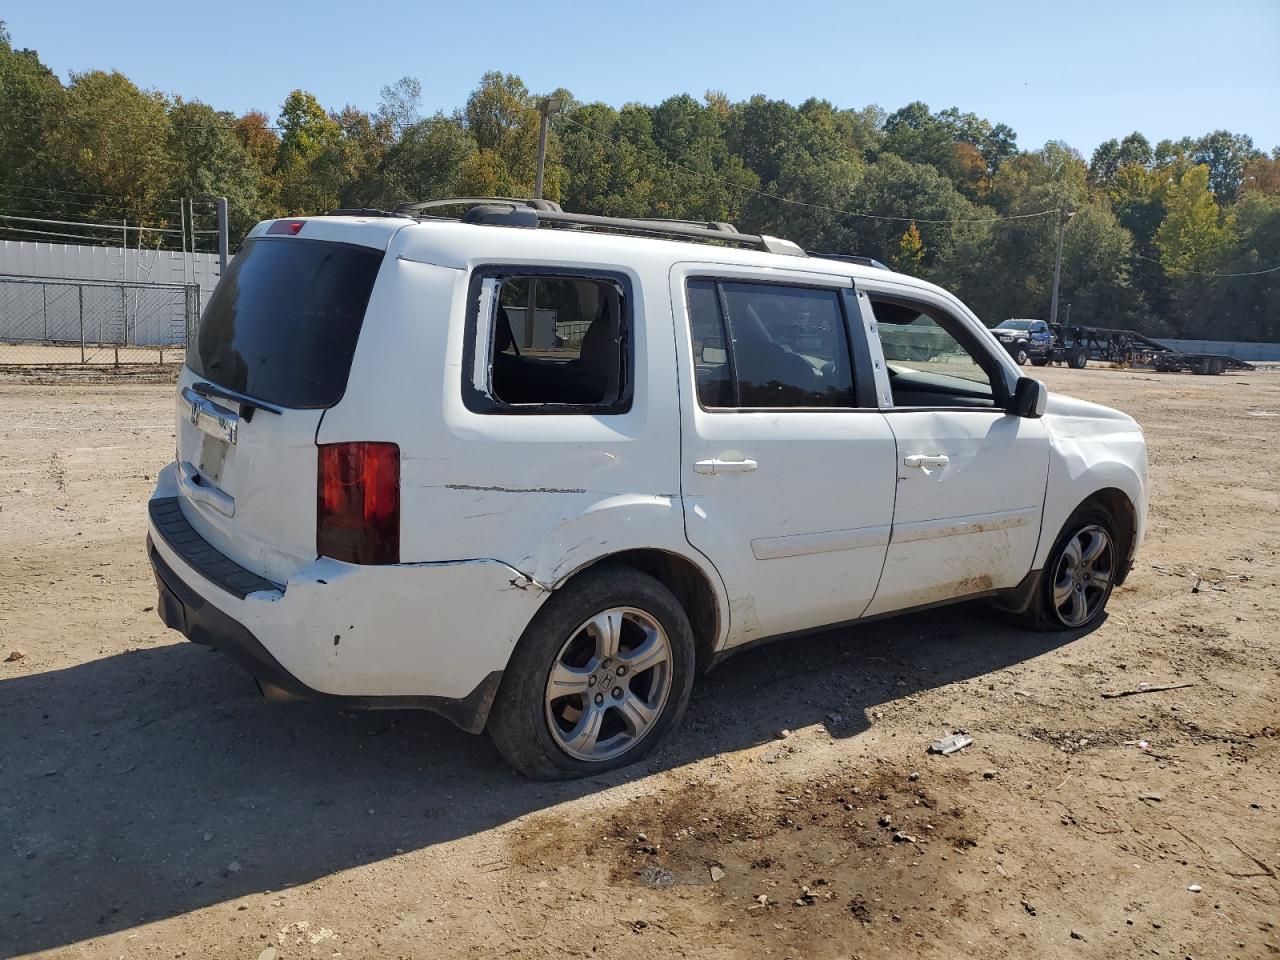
(725, 466)
(923, 460)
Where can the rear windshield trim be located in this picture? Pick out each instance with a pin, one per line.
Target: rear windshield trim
(271, 401)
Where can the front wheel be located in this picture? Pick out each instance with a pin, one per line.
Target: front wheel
(1078, 576)
(601, 676)
(1020, 356)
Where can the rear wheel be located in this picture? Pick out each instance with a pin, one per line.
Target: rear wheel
(1077, 359)
(1078, 576)
(601, 676)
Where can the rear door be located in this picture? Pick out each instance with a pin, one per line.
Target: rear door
(787, 468)
(273, 351)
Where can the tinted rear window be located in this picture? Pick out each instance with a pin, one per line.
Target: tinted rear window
(282, 324)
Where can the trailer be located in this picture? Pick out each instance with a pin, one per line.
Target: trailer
(1075, 345)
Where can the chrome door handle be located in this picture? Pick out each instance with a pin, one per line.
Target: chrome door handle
(725, 466)
(923, 460)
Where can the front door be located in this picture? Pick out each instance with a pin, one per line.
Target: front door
(787, 468)
(970, 477)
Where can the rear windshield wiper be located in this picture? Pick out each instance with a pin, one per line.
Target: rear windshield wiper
(247, 404)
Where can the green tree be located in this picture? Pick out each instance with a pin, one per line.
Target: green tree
(309, 140)
(32, 102)
(208, 160)
(1193, 236)
(112, 143)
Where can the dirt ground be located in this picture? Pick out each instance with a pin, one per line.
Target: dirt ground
(152, 805)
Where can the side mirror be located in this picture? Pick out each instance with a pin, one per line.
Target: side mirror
(1029, 398)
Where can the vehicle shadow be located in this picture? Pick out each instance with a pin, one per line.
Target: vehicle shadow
(151, 783)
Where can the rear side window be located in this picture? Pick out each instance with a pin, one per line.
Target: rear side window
(283, 323)
(766, 345)
(549, 343)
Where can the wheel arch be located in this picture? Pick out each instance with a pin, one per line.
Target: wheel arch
(1122, 509)
(691, 584)
(1117, 503)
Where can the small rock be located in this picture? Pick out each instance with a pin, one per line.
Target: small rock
(14, 656)
(208, 837)
(639, 925)
(901, 837)
(885, 820)
(914, 776)
(1028, 906)
(835, 718)
(1195, 888)
(233, 866)
(763, 898)
(643, 838)
(717, 873)
(1156, 797)
(269, 954)
(988, 774)
(1077, 935)
(783, 734)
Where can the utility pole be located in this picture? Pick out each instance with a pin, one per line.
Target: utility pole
(548, 106)
(1063, 216)
(222, 235)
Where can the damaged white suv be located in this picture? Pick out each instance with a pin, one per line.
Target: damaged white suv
(533, 470)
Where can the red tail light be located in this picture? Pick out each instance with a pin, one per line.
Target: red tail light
(358, 508)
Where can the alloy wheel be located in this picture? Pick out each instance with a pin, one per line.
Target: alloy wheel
(1082, 580)
(609, 684)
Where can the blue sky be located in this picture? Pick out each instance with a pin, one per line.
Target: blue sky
(1077, 70)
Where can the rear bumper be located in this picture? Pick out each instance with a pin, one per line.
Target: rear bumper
(433, 636)
(184, 610)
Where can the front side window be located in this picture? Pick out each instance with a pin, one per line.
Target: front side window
(931, 362)
(766, 345)
(551, 344)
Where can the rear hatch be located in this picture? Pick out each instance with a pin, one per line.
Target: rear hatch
(272, 353)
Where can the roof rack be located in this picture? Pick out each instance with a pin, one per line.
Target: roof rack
(535, 203)
(853, 258)
(362, 212)
(534, 213)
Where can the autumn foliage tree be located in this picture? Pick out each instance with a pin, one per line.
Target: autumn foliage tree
(1152, 220)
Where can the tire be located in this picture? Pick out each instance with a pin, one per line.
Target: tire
(1045, 612)
(1217, 366)
(1077, 358)
(559, 737)
(1039, 361)
(1020, 356)
(1203, 367)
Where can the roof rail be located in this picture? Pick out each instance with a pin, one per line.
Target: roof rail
(506, 213)
(705, 224)
(361, 212)
(534, 203)
(853, 258)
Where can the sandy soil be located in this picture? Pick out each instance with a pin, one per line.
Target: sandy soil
(153, 806)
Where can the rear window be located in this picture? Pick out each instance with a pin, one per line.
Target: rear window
(282, 324)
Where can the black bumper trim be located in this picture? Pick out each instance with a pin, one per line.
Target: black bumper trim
(183, 609)
(195, 550)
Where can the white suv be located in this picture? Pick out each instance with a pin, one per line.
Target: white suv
(532, 470)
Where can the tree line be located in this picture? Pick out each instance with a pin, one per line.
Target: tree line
(1168, 238)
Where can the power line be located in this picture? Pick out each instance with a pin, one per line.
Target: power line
(122, 225)
(800, 203)
(1201, 273)
(79, 193)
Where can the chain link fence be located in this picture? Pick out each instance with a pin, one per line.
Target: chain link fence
(48, 323)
